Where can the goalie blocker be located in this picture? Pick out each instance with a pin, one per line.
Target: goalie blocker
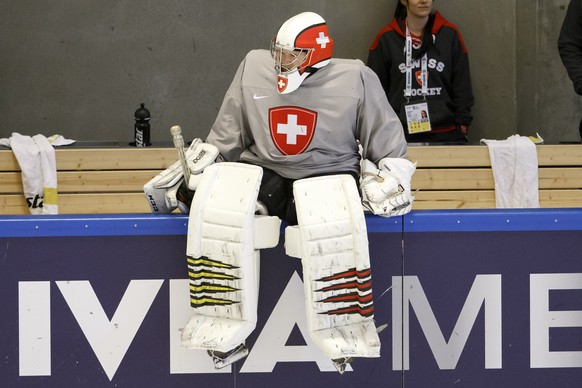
(163, 192)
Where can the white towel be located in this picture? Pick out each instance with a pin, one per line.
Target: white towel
(59, 140)
(515, 170)
(36, 158)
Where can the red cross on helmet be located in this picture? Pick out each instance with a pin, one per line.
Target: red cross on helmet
(302, 45)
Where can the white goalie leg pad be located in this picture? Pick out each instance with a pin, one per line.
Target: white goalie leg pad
(222, 250)
(332, 241)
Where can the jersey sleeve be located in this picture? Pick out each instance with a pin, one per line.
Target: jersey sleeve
(461, 87)
(379, 129)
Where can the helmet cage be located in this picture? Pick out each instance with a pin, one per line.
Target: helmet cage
(288, 60)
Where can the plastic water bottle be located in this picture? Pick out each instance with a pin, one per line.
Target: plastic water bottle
(142, 127)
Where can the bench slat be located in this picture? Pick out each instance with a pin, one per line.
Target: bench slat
(160, 158)
(482, 178)
(485, 199)
(83, 204)
(86, 181)
(478, 156)
(135, 202)
(423, 179)
(78, 159)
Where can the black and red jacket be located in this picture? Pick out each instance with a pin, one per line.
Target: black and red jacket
(570, 43)
(450, 96)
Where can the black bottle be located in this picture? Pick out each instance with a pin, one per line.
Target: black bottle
(142, 127)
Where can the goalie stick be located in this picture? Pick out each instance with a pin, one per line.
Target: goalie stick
(176, 132)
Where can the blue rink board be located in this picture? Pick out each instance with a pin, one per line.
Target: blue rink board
(177, 224)
(513, 254)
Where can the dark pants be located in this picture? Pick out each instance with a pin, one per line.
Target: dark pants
(276, 193)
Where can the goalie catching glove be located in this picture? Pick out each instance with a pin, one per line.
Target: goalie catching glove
(386, 187)
(168, 191)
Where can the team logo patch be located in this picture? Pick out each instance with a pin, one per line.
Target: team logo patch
(292, 128)
(282, 83)
(418, 76)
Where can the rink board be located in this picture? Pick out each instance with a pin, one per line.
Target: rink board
(97, 301)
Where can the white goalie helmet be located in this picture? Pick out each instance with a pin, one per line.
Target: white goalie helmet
(302, 45)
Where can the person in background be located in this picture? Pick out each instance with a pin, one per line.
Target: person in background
(422, 63)
(570, 46)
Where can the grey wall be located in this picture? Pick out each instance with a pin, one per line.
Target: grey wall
(81, 67)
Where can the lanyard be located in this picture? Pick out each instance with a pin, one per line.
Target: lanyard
(423, 69)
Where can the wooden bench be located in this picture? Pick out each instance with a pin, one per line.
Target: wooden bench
(91, 180)
(460, 177)
(110, 180)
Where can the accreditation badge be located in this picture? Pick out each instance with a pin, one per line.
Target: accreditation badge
(417, 117)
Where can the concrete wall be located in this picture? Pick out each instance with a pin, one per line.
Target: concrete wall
(82, 67)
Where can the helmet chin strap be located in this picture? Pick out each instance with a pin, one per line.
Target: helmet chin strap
(294, 80)
(288, 83)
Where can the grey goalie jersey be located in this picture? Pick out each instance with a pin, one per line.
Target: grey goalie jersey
(314, 130)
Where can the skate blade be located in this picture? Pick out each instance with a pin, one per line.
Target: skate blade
(221, 360)
(340, 364)
(381, 328)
